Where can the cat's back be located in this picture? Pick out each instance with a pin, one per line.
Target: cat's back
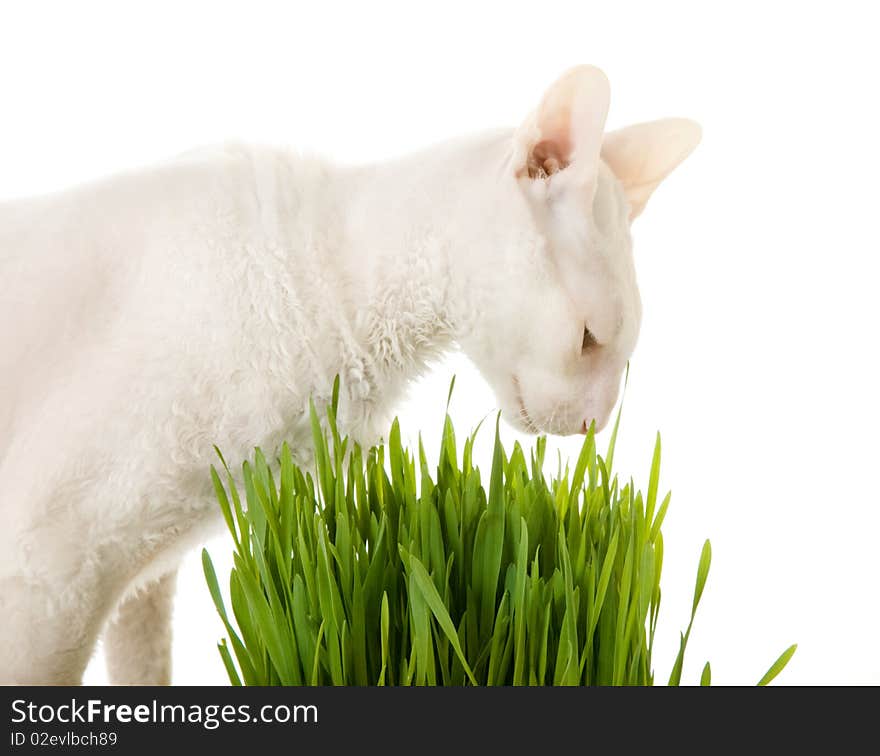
(224, 186)
(131, 262)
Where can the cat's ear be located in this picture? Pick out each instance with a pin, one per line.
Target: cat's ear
(641, 156)
(564, 133)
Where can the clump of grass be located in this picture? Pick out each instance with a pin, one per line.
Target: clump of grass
(374, 571)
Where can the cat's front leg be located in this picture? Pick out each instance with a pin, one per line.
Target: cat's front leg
(58, 584)
(137, 641)
(49, 628)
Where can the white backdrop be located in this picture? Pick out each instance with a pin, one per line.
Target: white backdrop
(758, 259)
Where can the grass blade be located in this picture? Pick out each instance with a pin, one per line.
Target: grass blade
(778, 665)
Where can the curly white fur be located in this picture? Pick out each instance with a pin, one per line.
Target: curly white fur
(151, 315)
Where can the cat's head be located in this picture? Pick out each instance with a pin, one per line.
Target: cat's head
(562, 321)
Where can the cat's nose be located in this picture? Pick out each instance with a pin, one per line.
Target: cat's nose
(599, 422)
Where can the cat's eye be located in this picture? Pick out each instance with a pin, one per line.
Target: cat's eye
(589, 341)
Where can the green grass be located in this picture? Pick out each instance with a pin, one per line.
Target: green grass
(374, 571)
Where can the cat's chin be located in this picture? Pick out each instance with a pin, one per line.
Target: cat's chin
(522, 424)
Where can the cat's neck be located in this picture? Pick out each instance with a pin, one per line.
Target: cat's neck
(407, 234)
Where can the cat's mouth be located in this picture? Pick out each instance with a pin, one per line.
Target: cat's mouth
(523, 412)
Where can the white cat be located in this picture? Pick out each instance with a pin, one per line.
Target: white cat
(151, 315)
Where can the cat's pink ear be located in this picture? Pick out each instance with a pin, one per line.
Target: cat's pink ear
(565, 132)
(641, 156)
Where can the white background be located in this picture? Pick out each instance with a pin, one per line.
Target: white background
(758, 259)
